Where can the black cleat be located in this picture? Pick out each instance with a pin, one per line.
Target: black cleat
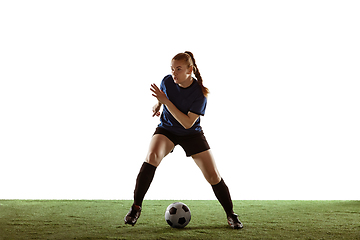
(133, 215)
(234, 221)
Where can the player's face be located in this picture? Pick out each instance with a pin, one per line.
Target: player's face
(180, 71)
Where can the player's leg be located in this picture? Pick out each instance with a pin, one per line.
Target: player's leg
(160, 146)
(206, 163)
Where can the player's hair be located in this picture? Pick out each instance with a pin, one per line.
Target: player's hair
(188, 57)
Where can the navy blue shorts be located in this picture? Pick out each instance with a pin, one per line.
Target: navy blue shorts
(192, 144)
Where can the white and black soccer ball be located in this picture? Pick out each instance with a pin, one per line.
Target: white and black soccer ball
(177, 215)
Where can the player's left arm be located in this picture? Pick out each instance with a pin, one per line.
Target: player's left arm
(186, 120)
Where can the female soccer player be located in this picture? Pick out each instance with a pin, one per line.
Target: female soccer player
(184, 100)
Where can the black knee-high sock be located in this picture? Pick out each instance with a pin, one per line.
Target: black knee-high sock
(223, 195)
(143, 181)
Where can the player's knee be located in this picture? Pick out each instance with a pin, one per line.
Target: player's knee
(213, 179)
(153, 158)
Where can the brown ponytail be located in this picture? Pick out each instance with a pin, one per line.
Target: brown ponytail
(189, 58)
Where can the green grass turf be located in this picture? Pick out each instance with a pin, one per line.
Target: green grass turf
(103, 219)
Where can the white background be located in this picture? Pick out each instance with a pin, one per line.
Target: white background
(282, 117)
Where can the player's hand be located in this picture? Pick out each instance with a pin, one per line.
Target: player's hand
(160, 95)
(156, 109)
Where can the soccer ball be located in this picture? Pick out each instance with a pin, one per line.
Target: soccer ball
(177, 215)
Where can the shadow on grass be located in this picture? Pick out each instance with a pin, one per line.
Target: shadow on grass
(205, 230)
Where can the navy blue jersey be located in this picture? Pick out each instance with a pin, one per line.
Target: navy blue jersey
(190, 99)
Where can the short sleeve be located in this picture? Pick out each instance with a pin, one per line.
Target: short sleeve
(199, 106)
(162, 85)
